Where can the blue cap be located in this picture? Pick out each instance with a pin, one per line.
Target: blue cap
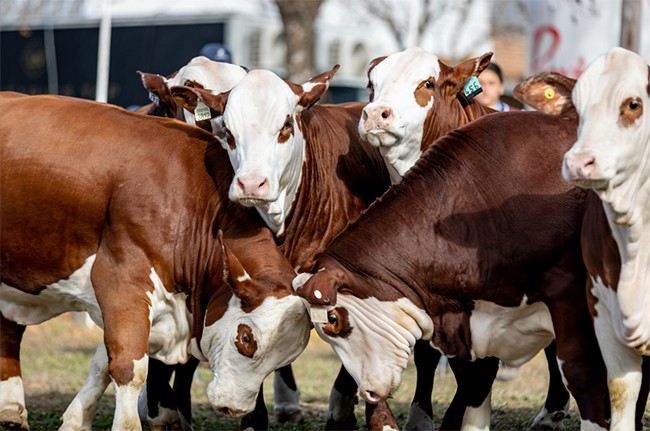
(216, 52)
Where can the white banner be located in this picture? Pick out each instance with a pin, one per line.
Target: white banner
(566, 35)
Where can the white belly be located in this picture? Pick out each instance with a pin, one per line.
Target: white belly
(514, 334)
(171, 322)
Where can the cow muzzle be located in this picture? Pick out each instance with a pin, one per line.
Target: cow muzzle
(378, 125)
(251, 190)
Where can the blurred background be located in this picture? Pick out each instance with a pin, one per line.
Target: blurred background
(93, 48)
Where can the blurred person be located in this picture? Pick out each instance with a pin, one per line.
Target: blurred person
(216, 52)
(491, 79)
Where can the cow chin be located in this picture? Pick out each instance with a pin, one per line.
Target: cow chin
(225, 402)
(381, 137)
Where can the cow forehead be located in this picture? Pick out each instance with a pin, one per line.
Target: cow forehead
(213, 75)
(409, 68)
(611, 78)
(261, 98)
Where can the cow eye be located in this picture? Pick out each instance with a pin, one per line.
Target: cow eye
(246, 339)
(428, 84)
(331, 318)
(288, 125)
(633, 104)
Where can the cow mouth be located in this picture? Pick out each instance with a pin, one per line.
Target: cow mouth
(252, 202)
(231, 413)
(382, 137)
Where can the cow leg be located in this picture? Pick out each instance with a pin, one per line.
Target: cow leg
(643, 394)
(258, 419)
(183, 378)
(286, 395)
(13, 413)
(379, 417)
(556, 407)
(426, 358)
(121, 287)
(80, 413)
(471, 407)
(343, 399)
(162, 409)
(624, 374)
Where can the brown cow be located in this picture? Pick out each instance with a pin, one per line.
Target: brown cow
(476, 250)
(414, 99)
(108, 220)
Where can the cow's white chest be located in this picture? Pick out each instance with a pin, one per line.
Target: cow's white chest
(72, 294)
(514, 334)
(171, 324)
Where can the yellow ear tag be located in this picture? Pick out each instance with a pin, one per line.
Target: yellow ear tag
(202, 111)
(549, 93)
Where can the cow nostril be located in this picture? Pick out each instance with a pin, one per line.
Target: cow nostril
(263, 183)
(240, 185)
(364, 115)
(225, 411)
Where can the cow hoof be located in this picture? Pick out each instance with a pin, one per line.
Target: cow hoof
(254, 422)
(418, 420)
(294, 418)
(13, 424)
(549, 422)
(348, 424)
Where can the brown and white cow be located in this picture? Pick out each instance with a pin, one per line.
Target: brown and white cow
(200, 72)
(104, 219)
(306, 170)
(612, 157)
(478, 251)
(414, 99)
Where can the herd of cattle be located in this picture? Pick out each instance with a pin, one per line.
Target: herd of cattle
(420, 222)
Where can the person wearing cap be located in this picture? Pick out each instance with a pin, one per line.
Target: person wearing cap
(491, 79)
(216, 52)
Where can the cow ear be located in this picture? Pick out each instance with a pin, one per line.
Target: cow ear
(237, 278)
(548, 92)
(374, 64)
(453, 79)
(318, 289)
(157, 87)
(189, 97)
(309, 92)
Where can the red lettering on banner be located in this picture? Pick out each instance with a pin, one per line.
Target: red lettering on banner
(541, 61)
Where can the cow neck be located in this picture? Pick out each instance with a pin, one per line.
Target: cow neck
(449, 116)
(341, 176)
(629, 224)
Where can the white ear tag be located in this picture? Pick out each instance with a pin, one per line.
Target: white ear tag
(318, 314)
(202, 112)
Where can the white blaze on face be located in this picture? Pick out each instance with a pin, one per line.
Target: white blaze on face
(269, 149)
(394, 118)
(244, 348)
(374, 339)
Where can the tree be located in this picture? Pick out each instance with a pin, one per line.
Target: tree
(298, 18)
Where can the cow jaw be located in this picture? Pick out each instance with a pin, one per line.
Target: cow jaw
(277, 332)
(380, 337)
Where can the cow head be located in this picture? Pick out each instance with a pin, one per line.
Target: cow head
(199, 73)
(372, 337)
(264, 140)
(263, 326)
(406, 88)
(612, 153)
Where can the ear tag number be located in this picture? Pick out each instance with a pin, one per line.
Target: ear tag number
(472, 88)
(202, 112)
(318, 314)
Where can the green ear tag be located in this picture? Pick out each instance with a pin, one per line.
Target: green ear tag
(472, 88)
(202, 112)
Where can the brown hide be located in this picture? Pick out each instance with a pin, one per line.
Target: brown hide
(342, 175)
(139, 192)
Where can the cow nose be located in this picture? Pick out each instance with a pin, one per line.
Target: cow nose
(581, 166)
(252, 186)
(377, 117)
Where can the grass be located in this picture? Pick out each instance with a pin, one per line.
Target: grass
(56, 356)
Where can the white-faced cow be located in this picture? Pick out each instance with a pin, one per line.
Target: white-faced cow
(306, 170)
(478, 251)
(414, 99)
(612, 157)
(105, 219)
